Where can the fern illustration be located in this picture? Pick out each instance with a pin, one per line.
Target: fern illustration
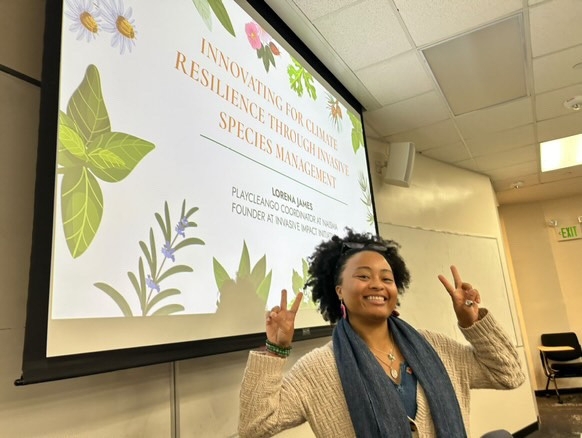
(366, 197)
(148, 280)
(298, 76)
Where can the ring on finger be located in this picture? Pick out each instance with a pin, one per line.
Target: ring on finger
(469, 303)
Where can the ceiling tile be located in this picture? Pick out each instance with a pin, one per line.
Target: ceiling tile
(508, 158)
(559, 127)
(408, 114)
(514, 172)
(497, 118)
(555, 25)
(450, 154)
(555, 70)
(550, 105)
(468, 164)
(481, 68)
(428, 137)
(381, 79)
(431, 21)
(501, 183)
(502, 140)
(381, 39)
(314, 10)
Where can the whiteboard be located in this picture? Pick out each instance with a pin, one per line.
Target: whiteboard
(428, 253)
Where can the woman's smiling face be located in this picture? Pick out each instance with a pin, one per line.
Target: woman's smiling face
(367, 287)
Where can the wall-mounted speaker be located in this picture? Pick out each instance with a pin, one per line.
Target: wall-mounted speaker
(398, 169)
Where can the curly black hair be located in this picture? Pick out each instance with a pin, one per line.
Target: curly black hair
(328, 261)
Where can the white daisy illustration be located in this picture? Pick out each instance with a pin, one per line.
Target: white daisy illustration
(118, 21)
(85, 18)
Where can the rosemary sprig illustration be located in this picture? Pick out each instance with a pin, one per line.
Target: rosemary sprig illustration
(147, 286)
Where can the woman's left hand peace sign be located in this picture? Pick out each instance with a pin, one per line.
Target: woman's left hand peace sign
(465, 298)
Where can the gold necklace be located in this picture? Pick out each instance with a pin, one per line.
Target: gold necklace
(391, 358)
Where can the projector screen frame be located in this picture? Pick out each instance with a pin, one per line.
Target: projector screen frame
(36, 366)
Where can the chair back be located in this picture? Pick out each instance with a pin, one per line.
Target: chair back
(561, 339)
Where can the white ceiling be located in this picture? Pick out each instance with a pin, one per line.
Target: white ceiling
(474, 83)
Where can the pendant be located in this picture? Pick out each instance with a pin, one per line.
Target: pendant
(391, 357)
(393, 373)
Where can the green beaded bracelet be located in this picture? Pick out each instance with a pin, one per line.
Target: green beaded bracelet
(277, 349)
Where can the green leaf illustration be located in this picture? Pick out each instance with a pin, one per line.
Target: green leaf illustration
(159, 297)
(141, 293)
(258, 272)
(142, 284)
(163, 227)
(81, 208)
(68, 130)
(244, 267)
(357, 132)
(296, 282)
(190, 212)
(222, 15)
(266, 54)
(64, 157)
(115, 154)
(87, 107)
(147, 255)
(204, 10)
(168, 222)
(117, 297)
(104, 159)
(269, 56)
(87, 150)
(72, 142)
(154, 251)
(265, 287)
(168, 310)
(187, 242)
(220, 274)
(174, 270)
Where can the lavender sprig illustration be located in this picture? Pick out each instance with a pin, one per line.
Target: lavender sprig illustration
(148, 283)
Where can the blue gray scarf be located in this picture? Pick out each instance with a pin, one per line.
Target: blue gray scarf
(374, 404)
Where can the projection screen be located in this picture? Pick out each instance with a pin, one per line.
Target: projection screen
(191, 156)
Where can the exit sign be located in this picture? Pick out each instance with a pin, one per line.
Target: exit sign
(569, 232)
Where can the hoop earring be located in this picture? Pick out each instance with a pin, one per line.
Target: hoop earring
(343, 309)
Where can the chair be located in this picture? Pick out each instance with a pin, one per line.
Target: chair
(560, 354)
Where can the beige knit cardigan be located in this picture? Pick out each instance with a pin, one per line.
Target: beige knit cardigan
(271, 401)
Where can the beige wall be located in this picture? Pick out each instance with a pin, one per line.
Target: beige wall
(198, 397)
(547, 272)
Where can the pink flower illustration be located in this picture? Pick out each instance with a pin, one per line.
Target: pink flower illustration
(253, 31)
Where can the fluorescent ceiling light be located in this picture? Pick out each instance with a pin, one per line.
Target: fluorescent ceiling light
(560, 153)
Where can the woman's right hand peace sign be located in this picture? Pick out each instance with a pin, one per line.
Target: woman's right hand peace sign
(281, 321)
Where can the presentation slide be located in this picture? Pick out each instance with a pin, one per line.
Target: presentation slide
(199, 163)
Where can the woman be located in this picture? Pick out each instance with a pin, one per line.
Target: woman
(378, 377)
